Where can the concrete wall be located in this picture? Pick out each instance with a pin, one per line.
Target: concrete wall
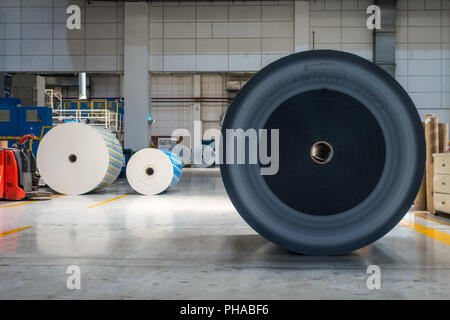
(224, 36)
(423, 54)
(34, 37)
(170, 116)
(340, 25)
(220, 36)
(105, 86)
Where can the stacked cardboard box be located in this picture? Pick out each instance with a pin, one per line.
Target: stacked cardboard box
(436, 138)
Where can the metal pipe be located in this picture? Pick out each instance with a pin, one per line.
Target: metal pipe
(82, 86)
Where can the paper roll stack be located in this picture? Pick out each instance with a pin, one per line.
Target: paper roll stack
(75, 158)
(152, 171)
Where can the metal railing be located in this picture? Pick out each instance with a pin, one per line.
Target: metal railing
(93, 104)
(103, 118)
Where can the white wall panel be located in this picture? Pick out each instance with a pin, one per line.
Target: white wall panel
(182, 62)
(179, 14)
(37, 47)
(102, 47)
(36, 14)
(37, 3)
(204, 30)
(212, 62)
(242, 46)
(11, 3)
(212, 13)
(219, 36)
(9, 15)
(12, 47)
(101, 30)
(277, 13)
(218, 46)
(12, 31)
(101, 63)
(37, 31)
(101, 14)
(244, 62)
(12, 63)
(179, 46)
(66, 63)
(36, 63)
(245, 13)
(269, 58)
(38, 39)
(179, 30)
(421, 54)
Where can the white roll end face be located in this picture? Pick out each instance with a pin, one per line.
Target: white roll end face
(73, 158)
(149, 171)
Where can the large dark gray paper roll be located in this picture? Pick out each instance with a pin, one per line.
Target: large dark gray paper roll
(351, 152)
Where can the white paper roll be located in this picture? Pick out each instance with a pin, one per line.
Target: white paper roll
(75, 158)
(152, 171)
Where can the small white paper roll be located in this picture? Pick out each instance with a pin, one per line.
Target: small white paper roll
(152, 171)
(75, 158)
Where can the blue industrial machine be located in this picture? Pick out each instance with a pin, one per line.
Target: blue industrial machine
(9, 117)
(17, 121)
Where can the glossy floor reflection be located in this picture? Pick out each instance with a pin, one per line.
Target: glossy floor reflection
(190, 243)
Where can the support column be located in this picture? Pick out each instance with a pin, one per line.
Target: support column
(2, 84)
(301, 26)
(40, 91)
(136, 76)
(196, 144)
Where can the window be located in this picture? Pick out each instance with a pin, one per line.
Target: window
(32, 116)
(4, 116)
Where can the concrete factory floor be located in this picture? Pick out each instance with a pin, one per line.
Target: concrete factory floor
(190, 243)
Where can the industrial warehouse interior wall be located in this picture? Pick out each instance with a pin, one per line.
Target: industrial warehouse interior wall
(176, 112)
(34, 36)
(340, 25)
(217, 36)
(171, 115)
(224, 36)
(422, 49)
(423, 54)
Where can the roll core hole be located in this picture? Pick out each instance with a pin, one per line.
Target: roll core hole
(321, 152)
(72, 158)
(149, 171)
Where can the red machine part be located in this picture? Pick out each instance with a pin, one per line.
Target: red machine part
(12, 190)
(25, 138)
(2, 173)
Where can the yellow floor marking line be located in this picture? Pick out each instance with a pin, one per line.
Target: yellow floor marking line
(103, 202)
(431, 219)
(22, 203)
(57, 196)
(419, 211)
(17, 204)
(13, 231)
(432, 233)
